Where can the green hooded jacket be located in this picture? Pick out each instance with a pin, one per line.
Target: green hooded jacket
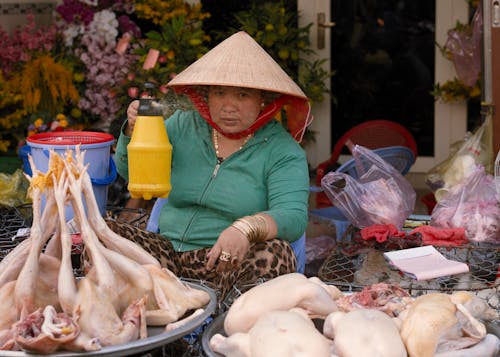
(269, 174)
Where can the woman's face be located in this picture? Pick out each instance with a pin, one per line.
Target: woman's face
(234, 109)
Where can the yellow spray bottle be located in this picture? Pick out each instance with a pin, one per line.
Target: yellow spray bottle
(149, 153)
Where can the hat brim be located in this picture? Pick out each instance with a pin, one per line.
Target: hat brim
(238, 61)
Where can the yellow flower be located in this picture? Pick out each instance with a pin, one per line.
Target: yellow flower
(60, 117)
(194, 41)
(38, 123)
(76, 113)
(63, 123)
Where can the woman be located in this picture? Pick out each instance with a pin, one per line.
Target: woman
(239, 180)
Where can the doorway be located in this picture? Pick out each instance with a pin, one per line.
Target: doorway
(449, 119)
(383, 53)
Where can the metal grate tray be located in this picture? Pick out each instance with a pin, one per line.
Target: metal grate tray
(11, 220)
(353, 272)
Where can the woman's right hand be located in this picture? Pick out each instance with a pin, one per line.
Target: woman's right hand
(232, 242)
(131, 117)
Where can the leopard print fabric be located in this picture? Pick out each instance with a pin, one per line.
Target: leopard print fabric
(264, 261)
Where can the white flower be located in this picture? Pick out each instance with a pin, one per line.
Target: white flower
(72, 32)
(105, 26)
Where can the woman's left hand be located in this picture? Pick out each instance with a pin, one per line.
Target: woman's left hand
(229, 250)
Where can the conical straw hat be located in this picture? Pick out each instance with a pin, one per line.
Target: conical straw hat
(238, 61)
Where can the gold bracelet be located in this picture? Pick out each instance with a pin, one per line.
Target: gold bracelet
(253, 227)
(262, 229)
(243, 227)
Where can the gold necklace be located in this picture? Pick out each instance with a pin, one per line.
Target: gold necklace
(215, 135)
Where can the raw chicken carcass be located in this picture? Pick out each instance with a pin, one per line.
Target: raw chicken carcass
(45, 332)
(364, 332)
(438, 322)
(31, 290)
(388, 298)
(8, 315)
(281, 293)
(97, 299)
(99, 319)
(488, 347)
(172, 296)
(276, 334)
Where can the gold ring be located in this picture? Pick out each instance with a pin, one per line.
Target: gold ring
(224, 256)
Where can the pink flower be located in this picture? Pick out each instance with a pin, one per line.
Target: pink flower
(133, 92)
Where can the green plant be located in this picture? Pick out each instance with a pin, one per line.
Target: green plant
(456, 90)
(313, 76)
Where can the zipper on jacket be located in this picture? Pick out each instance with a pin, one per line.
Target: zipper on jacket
(216, 169)
(214, 174)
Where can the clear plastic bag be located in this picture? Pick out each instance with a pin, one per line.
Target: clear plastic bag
(475, 149)
(471, 205)
(13, 189)
(465, 49)
(381, 195)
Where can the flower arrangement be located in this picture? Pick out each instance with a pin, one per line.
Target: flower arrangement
(36, 80)
(90, 63)
(92, 38)
(82, 71)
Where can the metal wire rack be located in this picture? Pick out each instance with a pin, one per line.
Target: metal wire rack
(234, 293)
(346, 272)
(12, 219)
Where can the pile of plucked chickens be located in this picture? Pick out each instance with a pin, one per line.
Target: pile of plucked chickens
(279, 318)
(44, 307)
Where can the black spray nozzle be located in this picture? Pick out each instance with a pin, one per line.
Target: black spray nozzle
(148, 105)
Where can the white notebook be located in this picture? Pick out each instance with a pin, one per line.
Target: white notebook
(423, 263)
